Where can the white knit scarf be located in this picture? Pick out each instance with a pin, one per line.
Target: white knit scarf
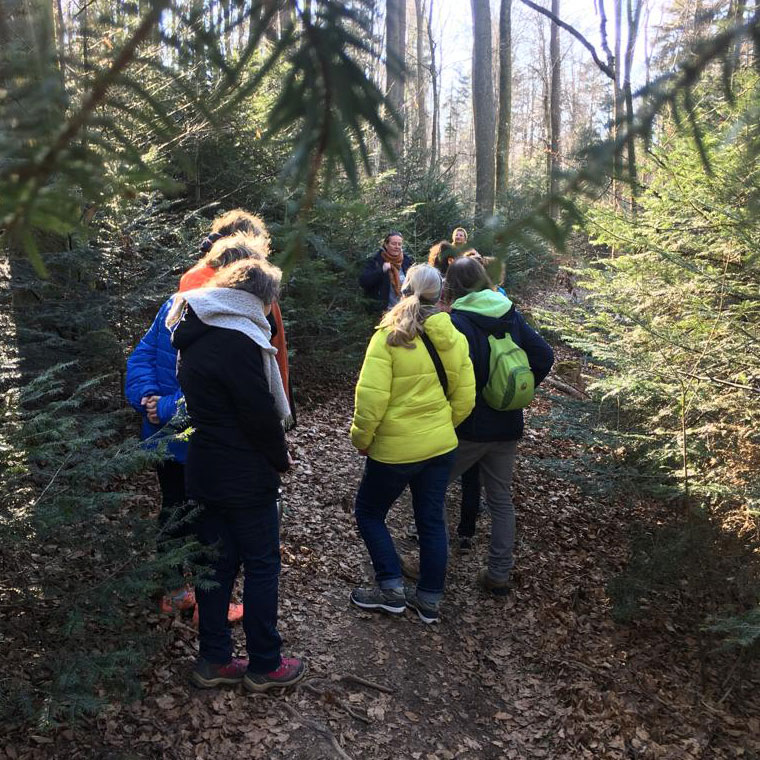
(244, 312)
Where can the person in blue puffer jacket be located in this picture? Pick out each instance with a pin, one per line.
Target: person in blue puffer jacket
(152, 389)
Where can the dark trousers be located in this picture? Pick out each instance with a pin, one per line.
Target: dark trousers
(251, 538)
(173, 520)
(468, 515)
(381, 485)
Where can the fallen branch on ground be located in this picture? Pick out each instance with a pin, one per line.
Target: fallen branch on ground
(571, 390)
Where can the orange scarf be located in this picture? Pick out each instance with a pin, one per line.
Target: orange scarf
(394, 272)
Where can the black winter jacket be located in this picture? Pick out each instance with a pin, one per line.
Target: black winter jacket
(486, 423)
(237, 448)
(376, 283)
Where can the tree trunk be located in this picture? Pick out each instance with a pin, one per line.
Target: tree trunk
(554, 108)
(422, 122)
(395, 42)
(483, 110)
(617, 116)
(633, 18)
(435, 133)
(505, 99)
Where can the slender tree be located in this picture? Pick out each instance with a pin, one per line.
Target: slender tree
(421, 84)
(505, 99)
(395, 43)
(483, 108)
(633, 17)
(554, 106)
(435, 133)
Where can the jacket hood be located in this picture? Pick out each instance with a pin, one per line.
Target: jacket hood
(188, 330)
(441, 331)
(489, 303)
(488, 309)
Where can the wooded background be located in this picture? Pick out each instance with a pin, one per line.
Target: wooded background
(608, 156)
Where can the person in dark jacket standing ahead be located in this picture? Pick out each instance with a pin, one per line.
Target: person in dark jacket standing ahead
(237, 404)
(489, 437)
(385, 271)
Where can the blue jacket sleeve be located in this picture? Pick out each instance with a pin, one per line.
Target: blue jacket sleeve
(142, 379)
(167, 407)
(540, 354)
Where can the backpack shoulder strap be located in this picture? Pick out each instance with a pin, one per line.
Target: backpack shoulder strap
(437, 362)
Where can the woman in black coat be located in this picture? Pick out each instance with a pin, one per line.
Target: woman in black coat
(236, 402)
(384, 272)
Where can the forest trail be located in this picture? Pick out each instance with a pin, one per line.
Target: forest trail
(542, 674)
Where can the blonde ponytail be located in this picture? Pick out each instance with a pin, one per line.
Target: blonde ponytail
(421, 292)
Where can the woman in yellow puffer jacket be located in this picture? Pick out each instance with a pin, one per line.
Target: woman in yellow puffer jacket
(404, 420)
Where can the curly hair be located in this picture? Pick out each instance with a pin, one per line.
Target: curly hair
(440, 255)
(235, 247)
(239, 220)
(255, 276)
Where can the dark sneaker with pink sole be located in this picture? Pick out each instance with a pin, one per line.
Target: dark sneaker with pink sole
(290, 672)
(207, 675)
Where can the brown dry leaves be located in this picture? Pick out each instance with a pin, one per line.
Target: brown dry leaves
(542, 674)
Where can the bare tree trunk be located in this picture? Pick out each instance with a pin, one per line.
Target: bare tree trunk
(226, 18)
(422, 123)
(505, 99)
(483, 110)
(435, 133)
(633, 14)
(60, 34)
(395, 42)
(617, 115)
(554, 107)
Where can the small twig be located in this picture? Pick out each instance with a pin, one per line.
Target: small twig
(315, 725)
(50, 483)
(338, 701)
(350, 678)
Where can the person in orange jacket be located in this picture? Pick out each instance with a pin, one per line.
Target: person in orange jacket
(223, 226)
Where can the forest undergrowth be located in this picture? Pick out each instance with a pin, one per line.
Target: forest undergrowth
(545, 673)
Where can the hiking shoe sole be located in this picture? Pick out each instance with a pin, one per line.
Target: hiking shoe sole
(251, 685)
(381, 606)
(210, 683)
(425, 616)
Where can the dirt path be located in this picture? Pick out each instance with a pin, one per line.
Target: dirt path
(542, 674)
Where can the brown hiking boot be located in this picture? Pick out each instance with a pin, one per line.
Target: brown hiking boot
(207, 675)
(290, 672)
(491, 585)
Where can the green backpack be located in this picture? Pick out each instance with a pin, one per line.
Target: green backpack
(511, 384)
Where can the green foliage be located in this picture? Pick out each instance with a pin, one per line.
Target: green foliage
(672, 319)
(71, 510)
(97, 134)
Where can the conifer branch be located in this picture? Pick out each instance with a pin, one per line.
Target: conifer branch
(37, 173)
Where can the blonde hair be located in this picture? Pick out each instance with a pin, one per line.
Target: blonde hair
(235, 247)
(420, 294)
(239, 220)
(255, 276)
(454, 234)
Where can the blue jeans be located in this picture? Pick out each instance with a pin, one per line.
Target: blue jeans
(381, 485)
(250, 537)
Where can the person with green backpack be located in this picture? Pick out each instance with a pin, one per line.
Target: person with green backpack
(510, 359)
